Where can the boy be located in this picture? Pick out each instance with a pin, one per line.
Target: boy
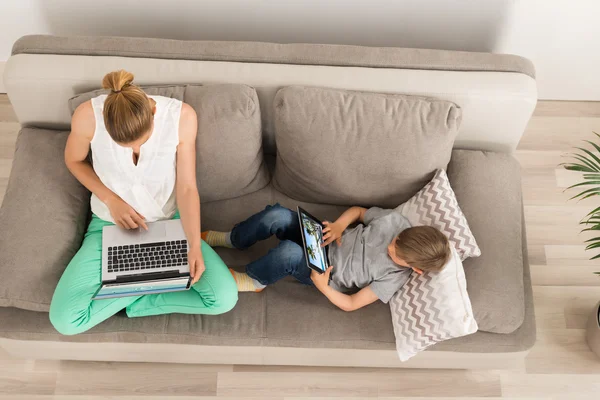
(376, 257)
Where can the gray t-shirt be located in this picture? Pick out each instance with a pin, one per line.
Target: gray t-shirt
(363, 260)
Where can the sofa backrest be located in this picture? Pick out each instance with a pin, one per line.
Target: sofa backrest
(497, 93)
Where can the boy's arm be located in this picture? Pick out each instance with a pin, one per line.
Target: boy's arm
(346, 302)
(351, 215)
(334, 230)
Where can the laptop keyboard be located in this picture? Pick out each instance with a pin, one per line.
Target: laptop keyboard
(136, 257)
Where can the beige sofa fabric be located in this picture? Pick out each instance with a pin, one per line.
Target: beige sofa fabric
(43, 218)
(488, 188)
(486, 98)
(299, 53)
(229, 143)
(358, 148)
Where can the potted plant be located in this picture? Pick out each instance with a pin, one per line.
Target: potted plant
(586, 161)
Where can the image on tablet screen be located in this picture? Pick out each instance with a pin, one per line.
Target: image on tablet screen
(313, 234)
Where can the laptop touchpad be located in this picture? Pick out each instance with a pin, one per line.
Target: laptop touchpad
(155, 233)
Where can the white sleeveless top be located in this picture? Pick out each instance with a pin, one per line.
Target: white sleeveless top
(149, 186)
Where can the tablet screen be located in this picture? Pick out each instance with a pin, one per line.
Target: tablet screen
(313, 237)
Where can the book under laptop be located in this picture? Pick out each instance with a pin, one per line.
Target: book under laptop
(137, 262)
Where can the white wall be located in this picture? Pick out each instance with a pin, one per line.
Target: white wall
(562, 38)
(556, 34)
(18, 18)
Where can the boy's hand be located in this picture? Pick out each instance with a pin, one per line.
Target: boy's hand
(321, 280)
(332, 231)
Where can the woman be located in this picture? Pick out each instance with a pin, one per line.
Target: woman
(144, 169)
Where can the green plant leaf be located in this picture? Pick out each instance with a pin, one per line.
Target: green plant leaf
(592, 155)
(585, 183)
(593, 214)
(589, 195)
(592, 246)
(593, 144)
(588, 162)
(582, 158)
(589, 192)
(575, 167)
(583, 162)
(589, 221)
(593, 228)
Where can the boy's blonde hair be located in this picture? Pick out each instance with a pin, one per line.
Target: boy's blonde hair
(127, 110)
(423, 247)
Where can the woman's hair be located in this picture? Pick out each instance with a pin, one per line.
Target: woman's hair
(127, 109)
(423, 247)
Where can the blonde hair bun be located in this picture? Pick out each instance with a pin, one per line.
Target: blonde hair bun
(117, 80)
(127, 110)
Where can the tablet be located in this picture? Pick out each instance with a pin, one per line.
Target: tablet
(312, 238)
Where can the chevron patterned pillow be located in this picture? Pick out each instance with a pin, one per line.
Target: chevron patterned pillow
(431, 308)
(436, 205)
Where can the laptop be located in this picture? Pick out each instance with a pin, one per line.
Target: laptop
(312, 238)
(137, 262)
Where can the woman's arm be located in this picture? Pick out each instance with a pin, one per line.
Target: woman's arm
(345, 302)
(83, 125)
(188, 199)
(334, 230)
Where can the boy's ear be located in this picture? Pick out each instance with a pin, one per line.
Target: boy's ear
(153, 105)
(417, 270)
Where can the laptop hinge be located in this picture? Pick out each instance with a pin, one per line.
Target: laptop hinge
(149, 276)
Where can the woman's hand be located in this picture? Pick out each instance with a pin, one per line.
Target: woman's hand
(124, 215)
(332, 231)
(196, 262)
(321, 280)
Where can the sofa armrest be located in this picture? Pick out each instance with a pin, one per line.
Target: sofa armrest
(488, 190)
(42, 220)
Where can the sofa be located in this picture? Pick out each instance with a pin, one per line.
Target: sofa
(288, 323)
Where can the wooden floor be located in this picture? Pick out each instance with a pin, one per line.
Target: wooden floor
(559, 366)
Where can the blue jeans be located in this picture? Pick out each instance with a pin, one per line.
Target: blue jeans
(285, 259)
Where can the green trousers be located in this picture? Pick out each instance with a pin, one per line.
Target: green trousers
(73, 311)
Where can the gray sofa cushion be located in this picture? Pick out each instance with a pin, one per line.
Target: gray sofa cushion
(43, 219)
(230, 160)
(488, 189)
(343, 147)
(229, 143)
